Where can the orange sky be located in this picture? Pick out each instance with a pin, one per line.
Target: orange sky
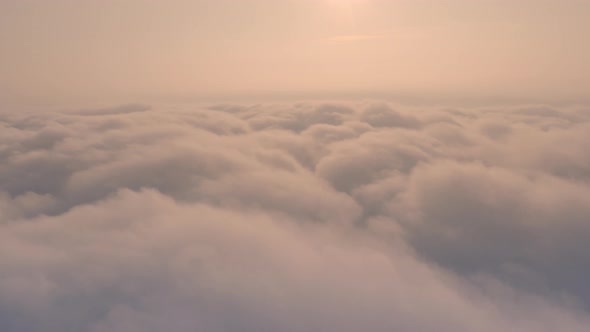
(97, 50)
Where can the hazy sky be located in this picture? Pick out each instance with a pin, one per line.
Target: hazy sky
(294, 165)
(107, 49)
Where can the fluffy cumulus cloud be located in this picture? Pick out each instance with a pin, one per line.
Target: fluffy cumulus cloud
(295, 217)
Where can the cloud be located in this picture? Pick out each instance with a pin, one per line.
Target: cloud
(123, 109)
(488, 219)
(295, 217)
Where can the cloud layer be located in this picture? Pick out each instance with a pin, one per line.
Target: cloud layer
(295, 217)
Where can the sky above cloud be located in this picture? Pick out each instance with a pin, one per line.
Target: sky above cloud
(67, 50)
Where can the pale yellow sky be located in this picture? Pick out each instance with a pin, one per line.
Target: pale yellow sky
(133, 49)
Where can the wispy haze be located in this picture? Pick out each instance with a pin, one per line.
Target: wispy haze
(98, 50)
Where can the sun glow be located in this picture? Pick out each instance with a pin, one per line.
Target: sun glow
(346, 3)
(346, 11)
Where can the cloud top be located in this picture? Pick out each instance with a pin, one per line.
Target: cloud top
(295, 217)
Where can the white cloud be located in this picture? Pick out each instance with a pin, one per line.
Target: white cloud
(297, 217)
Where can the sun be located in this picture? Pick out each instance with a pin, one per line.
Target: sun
(347, 10)
(346, 3)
